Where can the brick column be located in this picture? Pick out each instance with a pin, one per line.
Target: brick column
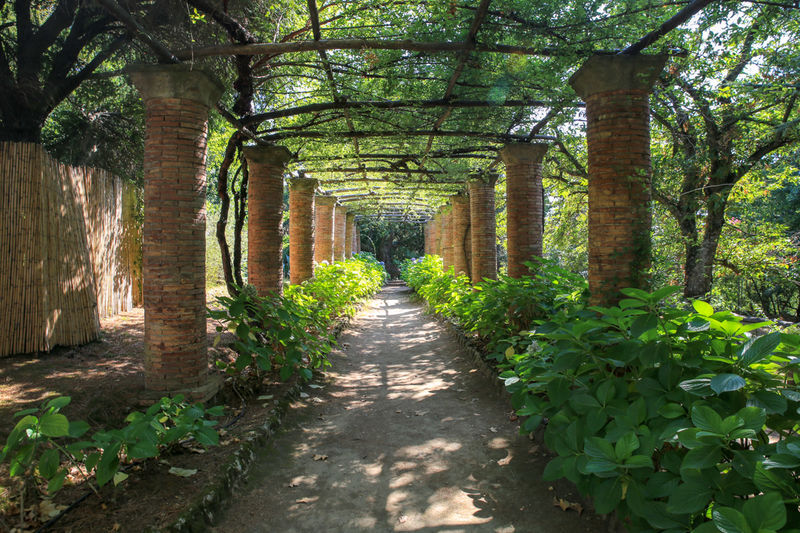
(482, 228)
(434, 222)
(301, 229)
(524, 209)
(616, 90)
(460, 227)
(348, 235)
(324, 213)
(447, 238)
(265, 216)
(357, 238)
(173, 242)
(339, 232)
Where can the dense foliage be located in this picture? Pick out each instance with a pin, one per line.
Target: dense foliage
(677, 419)
(496, 310)
(290, 333)
(44, 445)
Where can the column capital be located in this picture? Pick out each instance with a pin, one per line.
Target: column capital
(460, 199)
(322, 199)
(523, 152)
(607, 73)
(485, 178)
(303, 184)
(176, 81)
(267, 155)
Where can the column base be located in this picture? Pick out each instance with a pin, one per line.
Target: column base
(201, 393)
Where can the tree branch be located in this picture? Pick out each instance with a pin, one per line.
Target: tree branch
(275, 49)
(339, 136)
(390, 104)
(673, 22)
(159, 49)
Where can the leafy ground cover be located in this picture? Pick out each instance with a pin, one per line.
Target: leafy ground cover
(277, 337)
(677, 418)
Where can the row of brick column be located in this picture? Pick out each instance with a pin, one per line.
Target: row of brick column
(177, 99)
(324, 216)
(616, 91)
(459, 230)
(303, 207)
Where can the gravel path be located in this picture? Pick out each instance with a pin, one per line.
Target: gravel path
(402, 435)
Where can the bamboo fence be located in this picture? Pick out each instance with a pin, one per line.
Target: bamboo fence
(69, 250)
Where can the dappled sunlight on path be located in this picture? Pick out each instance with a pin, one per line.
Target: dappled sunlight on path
(403, 436)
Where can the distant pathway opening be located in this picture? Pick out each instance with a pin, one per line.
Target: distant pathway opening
(403, 435)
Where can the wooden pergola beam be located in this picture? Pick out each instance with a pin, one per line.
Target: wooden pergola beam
(480, 15)
(275, 49)
(376, 169)
(380, 157)
(390, 181)
(392, 104)
(340, 136)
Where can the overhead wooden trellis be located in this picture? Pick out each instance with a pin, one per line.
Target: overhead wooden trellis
(419, 101)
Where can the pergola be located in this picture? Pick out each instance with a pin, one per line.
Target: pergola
(376, 121)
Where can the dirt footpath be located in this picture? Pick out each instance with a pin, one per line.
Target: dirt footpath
(402, 435)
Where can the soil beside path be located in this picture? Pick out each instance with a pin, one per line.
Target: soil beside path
(403, 435)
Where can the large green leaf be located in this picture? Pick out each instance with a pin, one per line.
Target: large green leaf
(626, 445)
(765, 511)
(729, 520)
(689, 497)
(706, 419)
(760, 348)
(727, 383)
(54, 425)
(703, 308)
(49, 462)
(702, 457)
(607, 496)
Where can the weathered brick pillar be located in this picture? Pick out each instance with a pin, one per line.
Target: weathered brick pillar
(324, 213)
(616, 90)
(437, 238)
(176, 101)
(357, 238)
(460, 227)
(482, 228)
(265, 216)
(524, 209)
(348, 235)
(339, 232)
(447, 238)
(434, 222)
(301, 229)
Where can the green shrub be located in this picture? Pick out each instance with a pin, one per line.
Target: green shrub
(44, 439)
(676, 419)
(496, 310)
(289, 333)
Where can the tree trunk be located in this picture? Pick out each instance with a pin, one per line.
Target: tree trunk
(700, 256)
(384, 253)
(20, 124)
